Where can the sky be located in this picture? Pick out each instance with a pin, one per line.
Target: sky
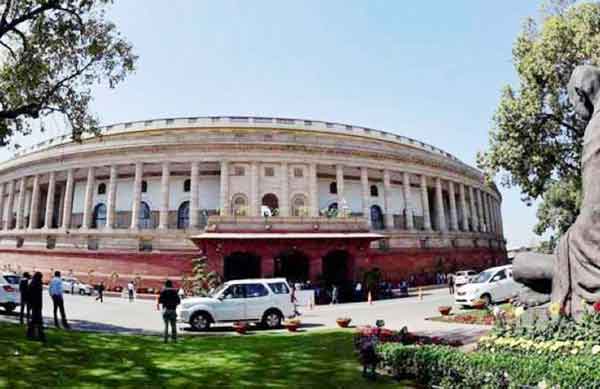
(430, 70)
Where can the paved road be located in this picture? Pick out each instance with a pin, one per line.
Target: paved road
(141, 316)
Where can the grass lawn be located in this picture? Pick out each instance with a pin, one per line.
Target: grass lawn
(322, 359)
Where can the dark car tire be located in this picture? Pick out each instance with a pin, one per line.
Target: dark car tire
(10, 307)
(200, 321)
(272, 319)
(487, 298)
(82, 292)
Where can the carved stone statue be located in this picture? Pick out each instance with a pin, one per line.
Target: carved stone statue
(575, 277)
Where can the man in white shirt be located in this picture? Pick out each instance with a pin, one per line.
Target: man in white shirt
(130, 291)
(358, 292)
(55, 288)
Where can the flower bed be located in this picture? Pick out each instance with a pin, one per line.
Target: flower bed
(403, 336)
(447, 367)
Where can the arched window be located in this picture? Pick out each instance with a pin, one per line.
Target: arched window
(187, 184)
(99, 219)
(298, 205)
(101, 188)
(183, 215)
(239, 204)
(333, 188)
(145, 219)
(144, 187)
(374, 191)
(377, 217)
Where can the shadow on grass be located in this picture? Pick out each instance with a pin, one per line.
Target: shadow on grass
(270, 360)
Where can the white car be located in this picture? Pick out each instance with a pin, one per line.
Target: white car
(492, 285)
(464, 277)
(10, 296)
(266, 301)
(73, 285)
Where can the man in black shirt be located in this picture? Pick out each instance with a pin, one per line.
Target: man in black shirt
(23, 289)
(169, 299)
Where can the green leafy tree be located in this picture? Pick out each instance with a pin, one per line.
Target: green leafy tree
(203, 279)
(51, 53)
(536, 138)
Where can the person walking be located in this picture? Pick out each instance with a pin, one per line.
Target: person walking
(23, 289)
(55, 289)
(358, 291)
(169, 299)
(101, 288)
(130, 291)
(294, 300)
(334, 295)
(35, 327)
(451, 283)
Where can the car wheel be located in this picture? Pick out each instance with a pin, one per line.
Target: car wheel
(200, 321)
(82, 291)
(10, 307)
(272, 319)
(487, 298)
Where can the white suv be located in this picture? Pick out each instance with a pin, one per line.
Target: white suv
(492, 285)
(266, 301)
(72, 284)
(464, 277)
(10, 296)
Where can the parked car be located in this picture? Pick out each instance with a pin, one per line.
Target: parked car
(464, 277)
(73, 285)
(10, 296)
(266, 301)
(492, 285)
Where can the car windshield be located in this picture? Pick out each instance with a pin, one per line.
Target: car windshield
(217, 290)
(12, 279)
(484, 276)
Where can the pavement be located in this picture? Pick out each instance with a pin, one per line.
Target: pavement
(118, 315)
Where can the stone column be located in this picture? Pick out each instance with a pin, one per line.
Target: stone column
(313, 190)
(387, 199)
(2, 185)
(35, 203)
(224, 193)
(453, 213)
(163, 217)
(339, 182)
(481, 214)
(492, 203)
(284, 206)
(111, 198)
(366, 194)
(89, 197)
(194, 207)
(474, 217)
(68, 208)
(9, 210)
(254, 206)
(21, 203)
(137, 196)
(50, 200)
(439, 206)
(488, 212)
(500, 222)
(61, 204)
(463, 207)
(425, 201)
(408, 214)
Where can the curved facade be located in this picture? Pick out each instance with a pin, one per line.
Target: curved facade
(141, 198)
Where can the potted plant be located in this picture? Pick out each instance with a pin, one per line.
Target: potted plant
(292, 324)
(445, 310)
(240, 327)
(343, 322)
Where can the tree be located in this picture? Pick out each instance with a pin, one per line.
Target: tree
(536, 138)
(51, 53)
(203, 280)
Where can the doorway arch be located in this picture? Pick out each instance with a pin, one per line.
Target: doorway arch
(183, 215)
(271, 201)
(377, 217)
(99, 217)
(337, 270)
(240, 265)
(292, 264)
(145, 218)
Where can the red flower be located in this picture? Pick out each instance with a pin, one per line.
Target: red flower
(597, 306)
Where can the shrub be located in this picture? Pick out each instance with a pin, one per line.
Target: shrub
(448, 368)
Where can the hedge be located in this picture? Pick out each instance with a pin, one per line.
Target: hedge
(447, 367)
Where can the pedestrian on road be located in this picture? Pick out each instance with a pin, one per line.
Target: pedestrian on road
(35, 327)
(181, 293)
(130, 290)
(334, 295)
(294, 300)
(169, 299)
(101, 292)
(451, 283)
(23, 289)
(358, 291)
(55, 289)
